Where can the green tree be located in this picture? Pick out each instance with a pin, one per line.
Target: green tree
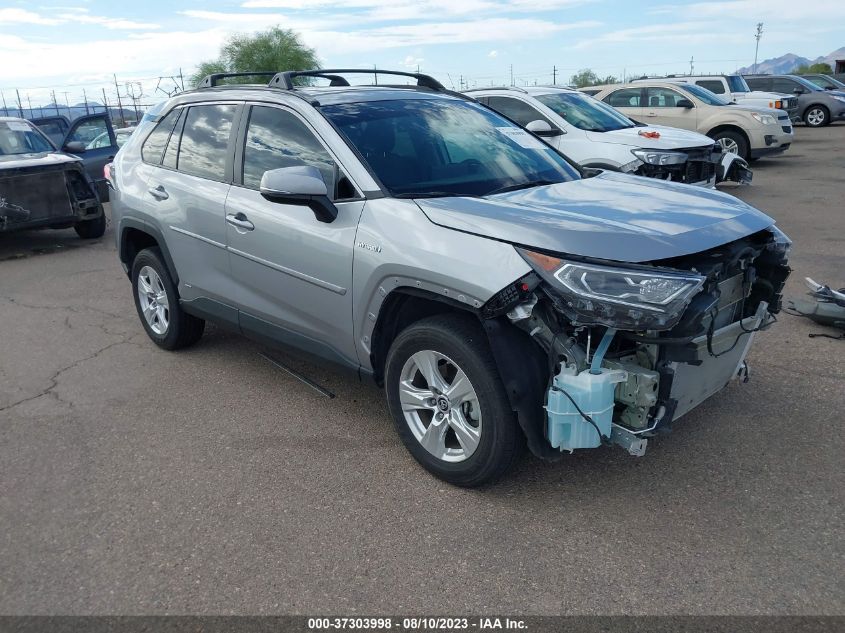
(276, 49)
(587, 77)
(820, 68)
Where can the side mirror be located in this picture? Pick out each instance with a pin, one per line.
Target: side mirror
(684, 103)
(543, 129)
(74, 147)
(302, 185)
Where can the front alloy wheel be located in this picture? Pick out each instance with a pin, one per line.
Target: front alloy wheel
(440, 406)
(816, 116)
(447, 401)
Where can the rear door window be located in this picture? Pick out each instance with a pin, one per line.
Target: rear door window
(205, 140)
(663, 98)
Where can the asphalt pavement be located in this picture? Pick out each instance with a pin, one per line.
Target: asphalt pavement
(138, 481)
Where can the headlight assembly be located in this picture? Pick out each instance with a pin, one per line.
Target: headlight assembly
(765, 119)
(622, 298)
(660, 157)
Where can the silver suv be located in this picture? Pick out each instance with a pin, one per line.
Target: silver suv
(500, 295)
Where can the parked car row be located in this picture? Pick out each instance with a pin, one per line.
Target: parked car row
(596, 135)
(499, 292)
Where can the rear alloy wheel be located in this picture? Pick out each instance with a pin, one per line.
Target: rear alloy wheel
(816, 116)
(157, 302)
(448, 403)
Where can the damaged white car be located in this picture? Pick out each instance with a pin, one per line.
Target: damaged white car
(595, 135)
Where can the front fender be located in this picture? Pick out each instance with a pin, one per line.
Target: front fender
(398, 247)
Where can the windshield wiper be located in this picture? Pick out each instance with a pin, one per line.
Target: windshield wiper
(523, 185)
(434, 194)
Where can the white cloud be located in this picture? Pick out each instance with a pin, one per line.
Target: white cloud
(411, 62)
(80, 16)
(493, 54)
(109, 23)
(22, 16)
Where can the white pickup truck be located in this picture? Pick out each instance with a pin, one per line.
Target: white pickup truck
(735, 88)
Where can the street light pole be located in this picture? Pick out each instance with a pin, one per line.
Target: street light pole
(757, 37)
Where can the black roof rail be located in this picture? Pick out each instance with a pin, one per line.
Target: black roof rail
(285, 79)
(212, 80)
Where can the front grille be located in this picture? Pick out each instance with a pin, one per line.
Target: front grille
(698, 171)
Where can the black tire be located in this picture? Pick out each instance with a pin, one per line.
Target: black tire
(91, 229)
(462, 340)
(818, 114)
(182, 328)
(742, 145)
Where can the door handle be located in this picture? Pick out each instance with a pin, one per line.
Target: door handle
(240, 221)
(158, 193)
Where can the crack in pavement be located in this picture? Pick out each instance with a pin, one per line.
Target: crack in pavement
(54, 379)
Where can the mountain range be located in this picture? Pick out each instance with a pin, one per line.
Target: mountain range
(789, 62)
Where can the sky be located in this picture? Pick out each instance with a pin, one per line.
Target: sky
(69, 45)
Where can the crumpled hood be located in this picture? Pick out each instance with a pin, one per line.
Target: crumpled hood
(670, 138)
(14, 161)
(611, 216)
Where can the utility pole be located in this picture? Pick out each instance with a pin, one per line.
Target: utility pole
(511, 74)
(757, 37)
(119, 104)
(55, 101)
(181, 80)
(20, 107)
(85, 99)
(5, 109)
(554, 75)
(105, 101)
(29, 103)
(691, 66)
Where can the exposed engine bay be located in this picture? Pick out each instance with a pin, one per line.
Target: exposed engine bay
(624, 352)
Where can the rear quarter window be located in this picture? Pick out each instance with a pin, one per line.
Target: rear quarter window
(153, 147)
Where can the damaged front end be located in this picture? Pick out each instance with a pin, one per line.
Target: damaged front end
(702, 166)
(38, 194)
(620, 351)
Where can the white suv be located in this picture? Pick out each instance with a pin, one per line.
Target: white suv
(594, 134)
(735, 88)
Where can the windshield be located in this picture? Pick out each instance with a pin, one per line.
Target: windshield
(807, 84)
(826, 82)
(737, 84)
(442, 147)
(585, 113)
(703, 94)
(19, 137)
